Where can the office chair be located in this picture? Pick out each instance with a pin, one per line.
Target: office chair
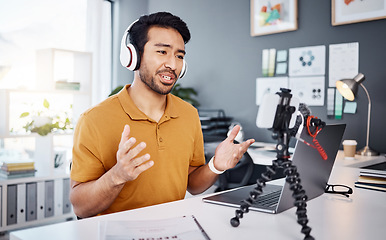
(238, 176)
(246, 172)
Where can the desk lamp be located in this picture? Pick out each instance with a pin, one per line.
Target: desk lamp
(349, 88)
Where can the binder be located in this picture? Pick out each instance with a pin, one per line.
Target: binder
(21, 202)
(11, 204)
(40, 200)
(49, 198)
(31, 205)
(66, 196)
(1, 206)
(58, 197)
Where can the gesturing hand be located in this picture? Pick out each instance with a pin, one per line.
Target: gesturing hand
(228, 154)
(129, 164)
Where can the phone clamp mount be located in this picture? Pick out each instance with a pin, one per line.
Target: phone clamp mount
(281, 133)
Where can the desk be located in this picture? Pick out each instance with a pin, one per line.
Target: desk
(362, 216)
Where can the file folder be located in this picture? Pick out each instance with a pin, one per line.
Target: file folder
(21, 200)
(66, 196)
(31, 206)
(58, 197)
(1, 206)
(11, 204)
(40, 200)
(49, 199)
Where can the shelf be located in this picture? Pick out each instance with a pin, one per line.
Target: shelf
(34, 201)
(55, 65)
(73, 70)
(15, 102)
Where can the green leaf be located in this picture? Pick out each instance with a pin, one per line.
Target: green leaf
(185, 94)
(116, 90)
(46, 104)
(24, 114)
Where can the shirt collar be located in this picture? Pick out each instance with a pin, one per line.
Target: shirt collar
(134, 113)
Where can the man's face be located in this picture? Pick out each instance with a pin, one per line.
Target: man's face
(162, 59)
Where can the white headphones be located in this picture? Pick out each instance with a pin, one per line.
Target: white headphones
(130, 57)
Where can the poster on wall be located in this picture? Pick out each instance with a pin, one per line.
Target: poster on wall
(343, 61)
(350, 11)
(273, 16)
(309, 90)
(269, 85)
(307, 61)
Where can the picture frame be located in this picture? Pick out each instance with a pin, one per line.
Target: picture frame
(349, 11)
(273, 16)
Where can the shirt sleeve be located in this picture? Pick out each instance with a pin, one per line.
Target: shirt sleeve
(86, 164)
(199, 154)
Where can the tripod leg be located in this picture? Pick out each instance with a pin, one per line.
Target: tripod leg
(299, 194)
(258, 190)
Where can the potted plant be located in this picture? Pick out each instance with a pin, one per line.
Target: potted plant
(46, 121)
(186, 94)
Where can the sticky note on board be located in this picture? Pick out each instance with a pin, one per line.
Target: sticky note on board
(281, 68)
(338, 105)
(350, 107)
(281, 56)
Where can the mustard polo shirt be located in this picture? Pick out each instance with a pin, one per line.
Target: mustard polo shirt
(174, 143)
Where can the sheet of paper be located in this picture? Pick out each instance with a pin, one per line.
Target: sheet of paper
(264, 153)
(265, 59)
(262, 156)
(330, 102)
(272, 61)
(269, 85)
(185, 227)
(309, 90)
(343, 61)
(307, 61)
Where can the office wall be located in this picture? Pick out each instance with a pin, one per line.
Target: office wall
(224, 60)
(124, 13)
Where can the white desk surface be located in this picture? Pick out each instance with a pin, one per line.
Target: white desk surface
(362, 216)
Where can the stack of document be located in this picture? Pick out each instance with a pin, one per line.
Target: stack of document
(373, 177)
(16, 169)
(184, 227)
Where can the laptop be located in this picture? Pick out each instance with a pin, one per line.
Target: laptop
(314, 174)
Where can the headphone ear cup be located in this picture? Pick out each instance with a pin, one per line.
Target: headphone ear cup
(129, 55)
(184, 69)
(125, 55)
(134, 58)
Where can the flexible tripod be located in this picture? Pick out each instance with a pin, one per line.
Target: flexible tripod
(281, 133)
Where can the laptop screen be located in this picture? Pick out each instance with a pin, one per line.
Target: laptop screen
(314, 171)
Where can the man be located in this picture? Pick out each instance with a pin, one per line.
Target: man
(144, 146)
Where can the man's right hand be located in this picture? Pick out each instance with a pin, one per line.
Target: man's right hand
(129, 164)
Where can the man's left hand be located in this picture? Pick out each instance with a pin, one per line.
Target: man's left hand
(227, 153)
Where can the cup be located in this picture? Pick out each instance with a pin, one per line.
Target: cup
(349, 149)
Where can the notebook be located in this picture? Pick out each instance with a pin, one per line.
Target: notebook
(314, 174)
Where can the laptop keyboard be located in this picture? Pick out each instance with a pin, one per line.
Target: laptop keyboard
(269, 199)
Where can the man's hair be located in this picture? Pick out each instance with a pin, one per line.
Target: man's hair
(138, 32)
